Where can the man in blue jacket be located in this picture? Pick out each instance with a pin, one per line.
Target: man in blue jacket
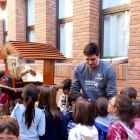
(95, 77)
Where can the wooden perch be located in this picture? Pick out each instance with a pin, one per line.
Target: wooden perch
(16, 92)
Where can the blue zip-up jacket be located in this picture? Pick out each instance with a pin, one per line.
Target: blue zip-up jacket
(55, 129)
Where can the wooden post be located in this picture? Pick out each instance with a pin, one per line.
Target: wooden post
(13, 82)
(48, 72)
(6, 68)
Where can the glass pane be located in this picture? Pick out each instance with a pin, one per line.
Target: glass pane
(113, 3)
(30, 14)
(6, 38)
(116, 34)
(31, 36)
(5, 17)
(65, 8)
(66, 40)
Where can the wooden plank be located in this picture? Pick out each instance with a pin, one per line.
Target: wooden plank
(36, 50)
(38, 47)
(48, 72)
(44, 58)
(43, 53)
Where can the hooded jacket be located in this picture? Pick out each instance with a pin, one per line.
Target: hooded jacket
(119, 130)
(131, 135)
(136, 129)
(83, 132)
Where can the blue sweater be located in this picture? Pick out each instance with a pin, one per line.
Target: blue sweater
(68, 116)
(102, 130)
(55, 129)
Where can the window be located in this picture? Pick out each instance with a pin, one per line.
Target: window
(5, 30)
(65, 27)
(30, 20)
(114, 28)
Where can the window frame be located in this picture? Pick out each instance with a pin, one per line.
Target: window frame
(5, 33)
(102, 13)
(28, 28)
(61, 21)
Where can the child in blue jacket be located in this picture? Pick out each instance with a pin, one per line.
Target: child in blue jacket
(102, 121)
(56, 128)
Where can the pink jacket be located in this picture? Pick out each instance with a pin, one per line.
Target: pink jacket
(3, 98)
(136, 129)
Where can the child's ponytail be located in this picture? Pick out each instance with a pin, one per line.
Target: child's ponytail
(30, 112)
(30, 94)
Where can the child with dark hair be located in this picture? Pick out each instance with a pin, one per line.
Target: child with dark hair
(136, 120)
(64, 96)
(55, 122)
(30, 118)
(123, 111)
(84, 116)
(130, 92)
(9, 128)
(102, 121)
(72, 98)
(3, 96)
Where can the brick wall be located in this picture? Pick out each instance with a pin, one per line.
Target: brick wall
(85, 26)
(45, 22)
(134, 48)
(16, 20)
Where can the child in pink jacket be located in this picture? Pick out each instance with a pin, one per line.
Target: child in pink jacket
(136, 128)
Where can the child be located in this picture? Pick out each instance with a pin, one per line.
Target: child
(55, 122)
(72, 98)
(9, 128)
(123, 111)
(102, 121)
(130, 91)
(3, 96)
(136, 120)
(63, 97)
(31, 119)
(84, 116)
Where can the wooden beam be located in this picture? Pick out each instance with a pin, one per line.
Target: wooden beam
(48, 72)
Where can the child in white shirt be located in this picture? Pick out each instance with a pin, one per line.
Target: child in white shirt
(31, 119)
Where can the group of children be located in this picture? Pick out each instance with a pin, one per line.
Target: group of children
(75, 118)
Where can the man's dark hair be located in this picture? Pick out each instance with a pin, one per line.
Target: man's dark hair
(9, 125)
(130, 92)
(73, 96)
(102, 106)
(66, 83)
(91, 49)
